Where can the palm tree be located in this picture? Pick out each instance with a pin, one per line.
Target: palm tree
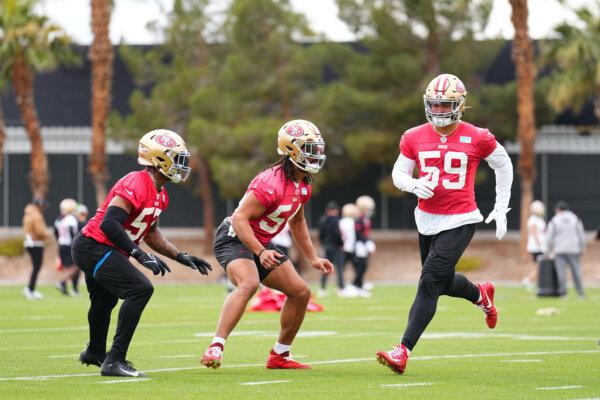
(101, 56)
(522, 54)
(575, 60)
(30, 44)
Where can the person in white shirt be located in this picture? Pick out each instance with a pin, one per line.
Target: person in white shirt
(348, 231)
(536, 239)
(66, 227)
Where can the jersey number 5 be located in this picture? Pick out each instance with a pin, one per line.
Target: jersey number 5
(275, 217)
(434, 172)
(142, 225)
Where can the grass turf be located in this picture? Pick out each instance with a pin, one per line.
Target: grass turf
(525, 357)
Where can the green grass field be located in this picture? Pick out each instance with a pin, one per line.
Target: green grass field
(525, 357)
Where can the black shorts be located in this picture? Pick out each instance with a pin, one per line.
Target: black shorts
(64, 252)
(536, 256)
(227, 247)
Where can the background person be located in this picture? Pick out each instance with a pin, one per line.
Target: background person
(66, 227)
(565, 242)
(331, 241)
(364, 245)
(348, 232)
(36, 233)
(536, 240)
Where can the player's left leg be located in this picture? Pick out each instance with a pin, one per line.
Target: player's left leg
(439, 255)
(285, 279)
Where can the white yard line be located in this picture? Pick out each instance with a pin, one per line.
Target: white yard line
(559, 387)
(125, 380)
(339, 361)
(408, 384)
(520, 361)
(64, 356)
(180, 356)
(262, 383)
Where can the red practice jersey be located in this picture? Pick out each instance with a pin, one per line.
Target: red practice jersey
(281, 197)
(449, 163)
(147, 202)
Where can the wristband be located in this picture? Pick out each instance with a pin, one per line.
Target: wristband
(260, 252)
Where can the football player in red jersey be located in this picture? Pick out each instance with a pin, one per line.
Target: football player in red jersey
(103, 247)
(242, 244)
(447, 152)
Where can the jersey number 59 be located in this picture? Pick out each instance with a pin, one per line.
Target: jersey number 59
(434, 172)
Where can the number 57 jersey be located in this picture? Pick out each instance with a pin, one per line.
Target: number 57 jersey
(148, 203)
(449, 163)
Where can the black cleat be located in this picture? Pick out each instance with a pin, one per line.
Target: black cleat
(88, 358)
(120, 368)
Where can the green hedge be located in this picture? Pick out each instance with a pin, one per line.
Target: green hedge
(11, 247)
(466, 264)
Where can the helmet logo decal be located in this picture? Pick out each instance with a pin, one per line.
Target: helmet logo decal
(294, 130)
(460, 88)
(165, 140)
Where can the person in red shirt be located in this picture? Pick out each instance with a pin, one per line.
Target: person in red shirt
(243, 247)
(447, 152)
(102, 249)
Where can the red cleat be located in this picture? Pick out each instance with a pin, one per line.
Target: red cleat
(395, 360)
(487, 303)
(284, 361)
(212, 357)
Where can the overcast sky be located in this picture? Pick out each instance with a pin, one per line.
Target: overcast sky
(130, 17)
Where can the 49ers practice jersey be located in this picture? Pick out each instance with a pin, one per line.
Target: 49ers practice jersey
(449, 163)
(281, 197)
(148, 203)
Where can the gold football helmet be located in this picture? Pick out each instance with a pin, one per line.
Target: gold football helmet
(302, 142)
(445, 89)
(165, 150)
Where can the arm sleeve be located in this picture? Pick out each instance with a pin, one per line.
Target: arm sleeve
(500, 162)
(112, 226)
(402, 173)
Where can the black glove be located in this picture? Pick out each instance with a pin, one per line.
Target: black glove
(194, 263)
(150, 261)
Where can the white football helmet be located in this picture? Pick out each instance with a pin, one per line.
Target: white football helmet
(445, 89)
(366, 205)
(165, 150)
(67, 206)
(302, 142)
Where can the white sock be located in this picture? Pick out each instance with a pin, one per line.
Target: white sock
(219, 340)
(281, 348)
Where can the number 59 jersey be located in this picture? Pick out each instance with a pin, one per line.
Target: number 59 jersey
(148, 203)
(449, 163)
(281, 197)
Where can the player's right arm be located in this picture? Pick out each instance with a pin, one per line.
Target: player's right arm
(112, 225)
(402, 174)
(250, 208)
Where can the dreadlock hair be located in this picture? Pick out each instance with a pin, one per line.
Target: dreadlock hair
(287, 166)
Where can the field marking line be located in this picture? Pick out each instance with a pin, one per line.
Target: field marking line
(262, 383)
(521, 361)
(125, 380)
(80, 328)
(340, 361)
(559, 387)
(63, 356)
(408, 384)
(180, 356)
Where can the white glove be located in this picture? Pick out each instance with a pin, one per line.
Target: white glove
(500, 217)
(423, 188)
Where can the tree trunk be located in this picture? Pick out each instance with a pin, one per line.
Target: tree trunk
(101, 57)
(522, 54)
(199, 164)
(22, 81)
(2, 137)
(432, 49)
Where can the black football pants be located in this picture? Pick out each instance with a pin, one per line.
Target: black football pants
(110, 276)
(439, 255)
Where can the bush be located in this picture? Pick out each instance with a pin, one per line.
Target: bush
(466, 264)
(11, 247)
